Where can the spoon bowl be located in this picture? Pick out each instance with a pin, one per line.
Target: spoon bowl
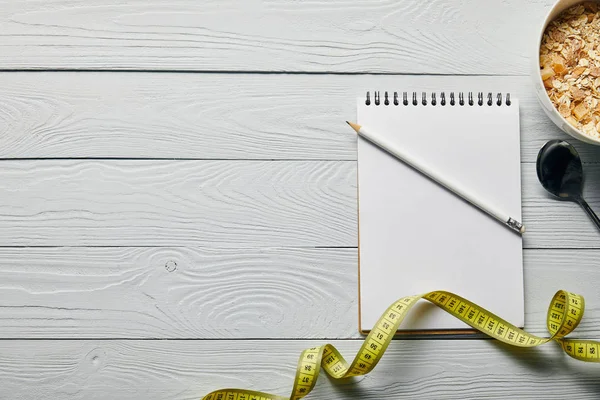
(560, 171)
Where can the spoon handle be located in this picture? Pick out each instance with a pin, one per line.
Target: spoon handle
(589, 211)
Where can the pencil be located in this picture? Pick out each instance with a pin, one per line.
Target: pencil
(454, 187)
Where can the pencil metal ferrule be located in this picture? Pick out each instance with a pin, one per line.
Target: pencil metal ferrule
(514, 224)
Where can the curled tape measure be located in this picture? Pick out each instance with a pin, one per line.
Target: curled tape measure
(564, 314)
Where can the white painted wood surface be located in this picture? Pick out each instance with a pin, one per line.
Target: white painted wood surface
(181, 370)
(178, 293)
(440, 36)
(173, 203)
(219, 116)
(183, 232)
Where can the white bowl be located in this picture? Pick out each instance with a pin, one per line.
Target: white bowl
(547, 105)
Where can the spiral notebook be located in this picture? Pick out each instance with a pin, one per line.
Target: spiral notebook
(416, 236)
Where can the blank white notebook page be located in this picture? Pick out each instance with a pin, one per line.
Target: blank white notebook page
(416, 236)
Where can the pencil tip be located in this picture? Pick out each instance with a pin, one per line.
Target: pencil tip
(354, 126)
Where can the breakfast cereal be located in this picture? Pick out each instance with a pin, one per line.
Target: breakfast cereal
(570, 66)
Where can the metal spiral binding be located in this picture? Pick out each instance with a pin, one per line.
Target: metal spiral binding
(433, 101)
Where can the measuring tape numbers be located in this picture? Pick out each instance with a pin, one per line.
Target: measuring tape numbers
(564, 314)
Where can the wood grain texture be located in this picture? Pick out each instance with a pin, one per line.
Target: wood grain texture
(185, 370)
(273, 165)
(178, 293)
(177, 203)
(228, 293)
(547, 271)
(441, 36)
(219, 116)
(553, 223)
(225, 204)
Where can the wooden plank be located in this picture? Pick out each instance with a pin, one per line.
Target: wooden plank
(218, 116)
(228, 293)
(177, 293)
(225, 204)
(177, 203)
(242, 35)
(183, 370)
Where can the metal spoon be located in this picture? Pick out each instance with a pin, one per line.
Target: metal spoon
(560, 172)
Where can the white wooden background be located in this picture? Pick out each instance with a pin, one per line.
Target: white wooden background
(178, 196)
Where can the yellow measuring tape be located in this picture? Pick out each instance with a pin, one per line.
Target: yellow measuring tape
(564, 314)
